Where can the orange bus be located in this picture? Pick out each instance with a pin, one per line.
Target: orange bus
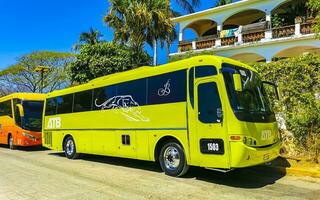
(21, 119)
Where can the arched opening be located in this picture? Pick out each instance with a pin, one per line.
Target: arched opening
(203, 27)
(295, 51)
(285, 16)
(251, 23)
(289, 13)
(249, 57)
(244, 18)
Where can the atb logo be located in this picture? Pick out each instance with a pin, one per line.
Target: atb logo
(162, 92)
(266, 135)
(54, 123)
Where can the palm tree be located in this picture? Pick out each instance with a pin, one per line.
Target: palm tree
(92, 37)
(139, 21)
(223, 2)
(188, 5)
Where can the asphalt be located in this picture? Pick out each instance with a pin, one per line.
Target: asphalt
(45, 174)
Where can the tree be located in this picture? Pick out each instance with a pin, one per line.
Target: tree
(223, 2)
(22, 77)
(314, 5)
(299, 82)
(103, 59)
(187, 5)
(92, 37)
(139, 21)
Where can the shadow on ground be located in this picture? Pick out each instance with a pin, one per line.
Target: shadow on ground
(249, 178)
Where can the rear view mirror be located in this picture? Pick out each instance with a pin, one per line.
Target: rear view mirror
(237, 82)
(20, 109)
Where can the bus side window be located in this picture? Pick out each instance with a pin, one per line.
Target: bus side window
(204, 71)
(191, 86)
(51, 106)
(83, 101)
(209, 104)
(64, 104)
(6, 108)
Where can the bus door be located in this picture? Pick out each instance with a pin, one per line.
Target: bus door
(210, 126)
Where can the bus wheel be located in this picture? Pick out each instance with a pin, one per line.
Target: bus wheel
(70, 148)
(10, 143)
(173, 160)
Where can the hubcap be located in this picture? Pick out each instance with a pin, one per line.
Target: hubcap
(171, 158)
(70, 147)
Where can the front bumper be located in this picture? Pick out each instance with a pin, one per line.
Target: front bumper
(245, 156)
(28, 142)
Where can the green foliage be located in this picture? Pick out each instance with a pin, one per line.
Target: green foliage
(314, 5)
(22, 77)
(223, 2)
(189, 54)
(103, 59)
(92, 37)
(136, 22)
(299, 83)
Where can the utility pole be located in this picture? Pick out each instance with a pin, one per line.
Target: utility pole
(42, 70)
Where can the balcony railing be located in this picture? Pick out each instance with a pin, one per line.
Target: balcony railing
(285, 31)
(307, 28)
(228, 41)
(247, 37)
(206, 42)
(253, 36)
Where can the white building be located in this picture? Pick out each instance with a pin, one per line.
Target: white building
(251, 30)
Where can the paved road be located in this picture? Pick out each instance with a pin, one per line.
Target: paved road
(43, 174)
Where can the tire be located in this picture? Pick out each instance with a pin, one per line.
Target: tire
(172, 160)
(11, 143)
(70, 150)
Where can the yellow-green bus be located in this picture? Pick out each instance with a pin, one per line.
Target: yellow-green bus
(203, 111)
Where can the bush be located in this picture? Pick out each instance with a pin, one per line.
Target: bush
(299, 83)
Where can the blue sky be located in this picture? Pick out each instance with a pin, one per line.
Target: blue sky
(34, 25)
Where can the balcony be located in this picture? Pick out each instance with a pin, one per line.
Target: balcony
(252, 33)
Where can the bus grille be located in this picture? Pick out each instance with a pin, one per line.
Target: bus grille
(48, 138)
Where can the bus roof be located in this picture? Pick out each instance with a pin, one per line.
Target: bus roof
(146, 71)
(24, 96)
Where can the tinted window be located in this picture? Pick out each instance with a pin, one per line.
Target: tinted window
(64, 104)
(82, 101)
(103, 97)
(209, 103)
(6, 109)
(51, 106)
(191, 86)
(203, 71)
(167, 88)
(133, 91)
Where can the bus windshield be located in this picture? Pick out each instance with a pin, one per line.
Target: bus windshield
(251, 104)
(32, 119)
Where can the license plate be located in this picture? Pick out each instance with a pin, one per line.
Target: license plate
(212, 146)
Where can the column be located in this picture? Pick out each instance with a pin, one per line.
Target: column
(180, 35)
(268, 33)
(218, 40)
(194, 45)
(297, 29)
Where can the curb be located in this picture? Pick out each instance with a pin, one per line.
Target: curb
(296, 171)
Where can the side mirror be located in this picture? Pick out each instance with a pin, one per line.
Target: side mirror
(20, 109)
(276, 88)
(237, 82)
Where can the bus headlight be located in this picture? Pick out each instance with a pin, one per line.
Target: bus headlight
(29, 135)
(245, 140)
